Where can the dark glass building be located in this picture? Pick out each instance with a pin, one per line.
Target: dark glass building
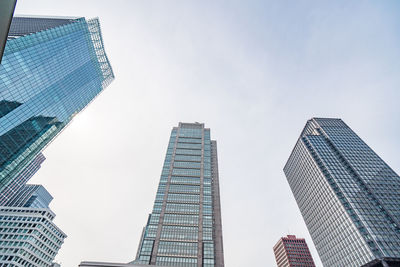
(348, 196)
(52, 68)
(6, 12)
(184, 228)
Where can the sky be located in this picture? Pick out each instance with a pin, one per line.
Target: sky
(252, 71)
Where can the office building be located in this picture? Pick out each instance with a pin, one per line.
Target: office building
(52, 68)
(293, 252)
(28, 236)
(9, 190)
(7, 8)
(31, 195)
(348, 196)
(383, 262)
(184, 228)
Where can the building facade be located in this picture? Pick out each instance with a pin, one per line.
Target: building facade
(28, 237)
(7, 8)
(31, 195)
(184, 228)
(52, 68)
(348, 196)
(9, 190)
(293, 252)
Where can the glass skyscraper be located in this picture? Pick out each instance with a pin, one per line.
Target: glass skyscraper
(348, 196)
(184, 228)
(31, 195)
(20, 180)
(52, 68)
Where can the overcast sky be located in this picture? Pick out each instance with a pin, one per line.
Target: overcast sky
(253, 72)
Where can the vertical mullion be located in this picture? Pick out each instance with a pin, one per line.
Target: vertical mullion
(161, 220)
(200, 238)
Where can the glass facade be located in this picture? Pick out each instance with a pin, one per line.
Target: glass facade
(32, 196)
(184, 228)
(20, 180)
(348, 196)
(51, 69)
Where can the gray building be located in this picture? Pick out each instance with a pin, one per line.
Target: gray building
(28, 235)
(184, 228)
(348, 196)
(6, 12)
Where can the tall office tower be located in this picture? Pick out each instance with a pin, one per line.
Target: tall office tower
(28, 236)
(184, 228)
(348, 196)
(20, 180)
(52, 68)
(293, 252)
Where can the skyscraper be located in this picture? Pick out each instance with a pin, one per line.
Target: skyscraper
(52, 68)
(32, 196)
(20, 180)
(28, 236)
(293, 252)
(6, 12)
(184, 228)
(348, 196)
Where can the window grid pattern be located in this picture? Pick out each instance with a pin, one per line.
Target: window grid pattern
(185, 164)
(189, 233)
(185, 180)
(177, 261)
(180, 191)
(176, 188)
(183, 198)
(20, 180)
(178, 248)
(355, 217)
(180, 219)
(28, 237)
(46, 78)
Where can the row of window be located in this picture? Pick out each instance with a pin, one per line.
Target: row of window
(183, 198)
(181, 219)
(179, 232)
(186, 172)
(187, 164)
(175, 261)
(178, 248)
(182, 208)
